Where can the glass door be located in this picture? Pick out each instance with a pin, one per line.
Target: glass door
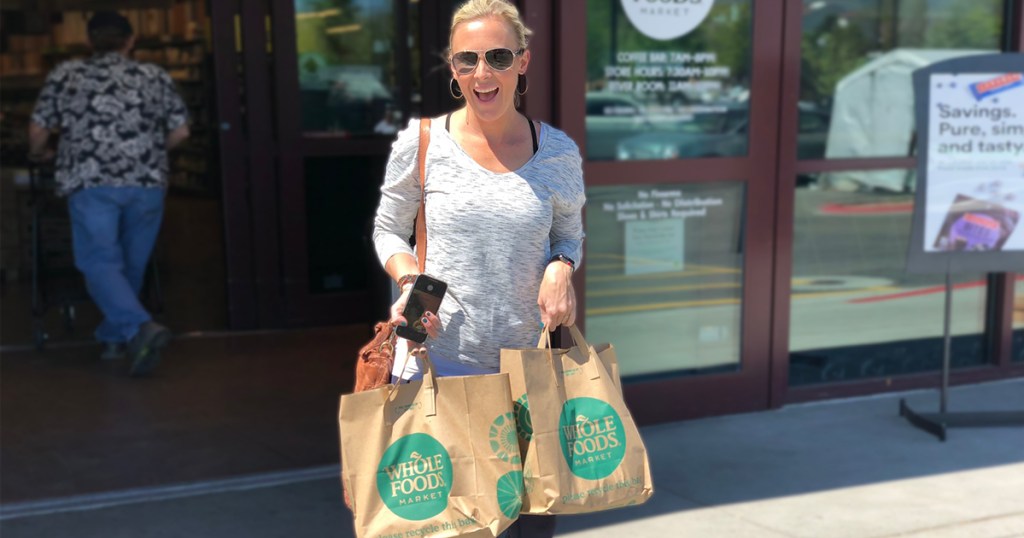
(348, 75)
(677, 130)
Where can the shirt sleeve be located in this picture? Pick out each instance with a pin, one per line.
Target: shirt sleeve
(173, 105)
(47, 109)
(567, 221)
(399, 196)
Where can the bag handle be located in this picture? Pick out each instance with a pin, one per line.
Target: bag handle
(421, 218)
(429, 385)
(593, 371)
(429, 376)
(545, 343)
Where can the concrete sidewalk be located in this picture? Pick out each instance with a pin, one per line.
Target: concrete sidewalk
(850, 468)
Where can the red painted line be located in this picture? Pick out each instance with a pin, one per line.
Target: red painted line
(866, 209)
(922, 291)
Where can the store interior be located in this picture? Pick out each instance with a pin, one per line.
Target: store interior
(44, 300)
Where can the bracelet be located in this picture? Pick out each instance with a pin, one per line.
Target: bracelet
(406, 279)
(564, 259)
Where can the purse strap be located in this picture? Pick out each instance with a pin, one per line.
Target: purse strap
(421, 217)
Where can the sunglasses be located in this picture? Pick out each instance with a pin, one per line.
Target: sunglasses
(499, 59)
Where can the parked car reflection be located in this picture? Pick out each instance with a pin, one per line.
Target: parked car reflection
(722, 133)
(611, 117)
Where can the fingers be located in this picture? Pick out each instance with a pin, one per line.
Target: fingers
(558, 311)
(432, 324)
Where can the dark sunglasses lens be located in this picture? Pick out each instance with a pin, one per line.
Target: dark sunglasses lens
(500, 59)
(465, 62)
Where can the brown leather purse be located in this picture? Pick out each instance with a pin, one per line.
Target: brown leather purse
(377, 357)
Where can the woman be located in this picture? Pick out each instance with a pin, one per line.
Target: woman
(503, 202)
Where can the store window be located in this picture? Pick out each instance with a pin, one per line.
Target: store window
(858, 57)
(348, 82)
(664, 275)
(667, 80)
(855, 313)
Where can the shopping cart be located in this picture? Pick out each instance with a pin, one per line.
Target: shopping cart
(56, 283)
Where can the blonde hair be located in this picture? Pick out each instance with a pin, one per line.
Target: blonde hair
(480, 9)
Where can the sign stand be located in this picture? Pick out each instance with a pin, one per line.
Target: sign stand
(937, 423)
(970, 189)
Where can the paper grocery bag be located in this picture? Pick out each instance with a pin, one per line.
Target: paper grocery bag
(582, 452)
(435, 458)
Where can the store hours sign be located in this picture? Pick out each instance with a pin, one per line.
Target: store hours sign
(970, 198)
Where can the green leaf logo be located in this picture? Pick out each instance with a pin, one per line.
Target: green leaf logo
(592, 436)
(503, 439)
(414, 477)
(510, 494)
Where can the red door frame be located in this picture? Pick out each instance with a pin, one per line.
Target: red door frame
(770, 172)
(300, 307)
(697, 396)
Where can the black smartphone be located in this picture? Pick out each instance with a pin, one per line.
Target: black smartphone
(426, 296)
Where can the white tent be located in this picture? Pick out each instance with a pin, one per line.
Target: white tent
(873, 115)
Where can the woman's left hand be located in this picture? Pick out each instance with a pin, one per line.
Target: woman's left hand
(557, 298)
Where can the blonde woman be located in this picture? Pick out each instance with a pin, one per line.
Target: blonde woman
(504, 196)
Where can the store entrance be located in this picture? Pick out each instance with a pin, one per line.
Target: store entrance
(346, 77)
(185, 282)
(678, 126)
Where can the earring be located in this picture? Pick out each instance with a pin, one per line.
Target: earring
(524, 83)
(454, 89)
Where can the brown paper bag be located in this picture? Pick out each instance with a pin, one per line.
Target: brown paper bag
(581, 450)
(437, 457)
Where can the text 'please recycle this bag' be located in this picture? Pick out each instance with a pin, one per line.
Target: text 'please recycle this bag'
(582, 452)
(433, 458)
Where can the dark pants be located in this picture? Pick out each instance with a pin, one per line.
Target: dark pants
(531, 527)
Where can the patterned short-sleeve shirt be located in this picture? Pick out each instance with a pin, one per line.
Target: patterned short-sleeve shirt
(113, 115)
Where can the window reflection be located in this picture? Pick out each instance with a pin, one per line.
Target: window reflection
(346, 64)
(666, 261)
(858, 57)
(685, 97)
(855, 312)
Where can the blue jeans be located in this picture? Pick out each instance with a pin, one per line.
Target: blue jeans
(113, 232)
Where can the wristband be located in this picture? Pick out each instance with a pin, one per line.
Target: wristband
(406, 279)
(564, 259)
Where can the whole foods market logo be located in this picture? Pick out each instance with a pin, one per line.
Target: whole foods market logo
(666, 19)
(502, 437)
(414, 477)
(592, 436)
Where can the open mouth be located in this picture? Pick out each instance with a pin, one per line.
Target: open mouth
(487, 96)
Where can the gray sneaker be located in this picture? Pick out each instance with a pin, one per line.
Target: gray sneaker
(113, 351)
(145, 347)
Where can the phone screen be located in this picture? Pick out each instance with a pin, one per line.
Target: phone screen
(426, 297)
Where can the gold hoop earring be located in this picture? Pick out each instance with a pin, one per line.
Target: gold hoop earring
(454, 89)
(524, 82)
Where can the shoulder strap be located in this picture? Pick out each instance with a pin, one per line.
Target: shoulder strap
(533, 133)
(421, 217)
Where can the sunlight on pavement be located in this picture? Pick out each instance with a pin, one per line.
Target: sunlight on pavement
(981, 502)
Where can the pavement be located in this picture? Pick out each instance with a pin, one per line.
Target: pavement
(842, 468)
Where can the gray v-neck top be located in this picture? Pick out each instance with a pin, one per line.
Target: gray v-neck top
(489, 235)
